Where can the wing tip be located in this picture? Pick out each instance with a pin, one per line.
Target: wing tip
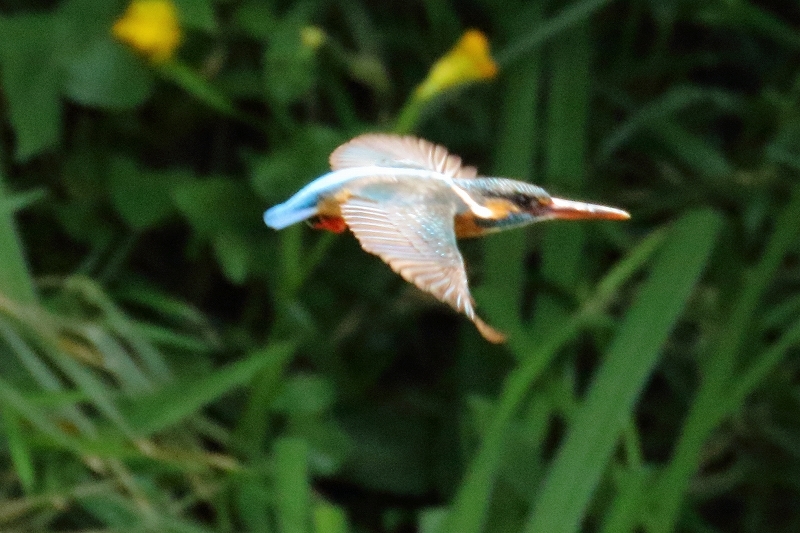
(489, 333)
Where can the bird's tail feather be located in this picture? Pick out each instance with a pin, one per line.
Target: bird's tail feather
(283, 215)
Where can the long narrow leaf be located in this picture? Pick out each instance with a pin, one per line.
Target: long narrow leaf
(15, 279)
(583, 457)
(19, 448)
(471, 503)
(184, 398)
(293, 488)
(710, 404)
(517, 146)
(574, 14)
(563, 246)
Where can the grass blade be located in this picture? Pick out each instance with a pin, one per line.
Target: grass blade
(469, 510)
(19, 449)
(563, 247)
(15, 279)
(762, 365)
(253, 427)
(590, 442)
(570, 16)
(518, 142)
(14, 400)
(329, 518)
(709, 407)
(293, 489)
(184, 398)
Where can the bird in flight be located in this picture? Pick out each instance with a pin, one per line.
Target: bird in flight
(407, 200)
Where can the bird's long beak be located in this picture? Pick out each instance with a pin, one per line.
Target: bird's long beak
(561, 209)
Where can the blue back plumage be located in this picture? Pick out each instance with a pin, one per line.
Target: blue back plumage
(304, 203)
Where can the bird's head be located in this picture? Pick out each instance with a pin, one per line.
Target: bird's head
(515, 203)
(552, 208)
(535, 203)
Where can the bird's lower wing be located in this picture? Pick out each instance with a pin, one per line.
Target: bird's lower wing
(417, 240)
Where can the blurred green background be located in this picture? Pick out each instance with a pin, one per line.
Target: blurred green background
(170, 364)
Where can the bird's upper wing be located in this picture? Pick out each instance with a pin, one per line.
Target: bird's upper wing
(386, 150)
(415, 237)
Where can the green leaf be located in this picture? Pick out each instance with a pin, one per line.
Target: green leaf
(83, 22)
(329, 518)
(566, 153)
(111, 509)
(253, 501)
(156, 300)
(200, 88)
(100, 393)
(469, 509)
(252, 426)
(216, 205)
(198, 14)
(519, 134)
(303, 157)
(305, 394)
(745, 16)
(232, 251)
(19, 448)
(589, 444)
(255, 18)
(184, 398)
(31, 79)
(40, 53)
(289, 65)
(431, 519)
(229, 216)
(108, 76)
(665, 107)
(292, 486)
(16, 401)
(694, 151)
(720, 387)
(15, 278)
(45, 378)
(19, 201)
(142, 198)
(576, 13)
(78, 219)
(624, 512)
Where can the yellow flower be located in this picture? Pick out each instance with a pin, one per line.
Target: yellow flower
(469, 60)
(312, 37)
(151, 27)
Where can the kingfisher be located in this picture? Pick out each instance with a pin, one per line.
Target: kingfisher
(407, 200)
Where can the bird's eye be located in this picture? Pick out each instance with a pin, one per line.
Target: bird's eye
(522, 200)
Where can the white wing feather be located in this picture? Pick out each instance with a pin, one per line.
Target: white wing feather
(418, 242)
(386, 150)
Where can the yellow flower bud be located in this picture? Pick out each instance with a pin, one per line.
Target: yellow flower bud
(469, 60)
(312, 37)
(150, 27)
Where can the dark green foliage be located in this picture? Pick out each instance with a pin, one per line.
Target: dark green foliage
(170, 364)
